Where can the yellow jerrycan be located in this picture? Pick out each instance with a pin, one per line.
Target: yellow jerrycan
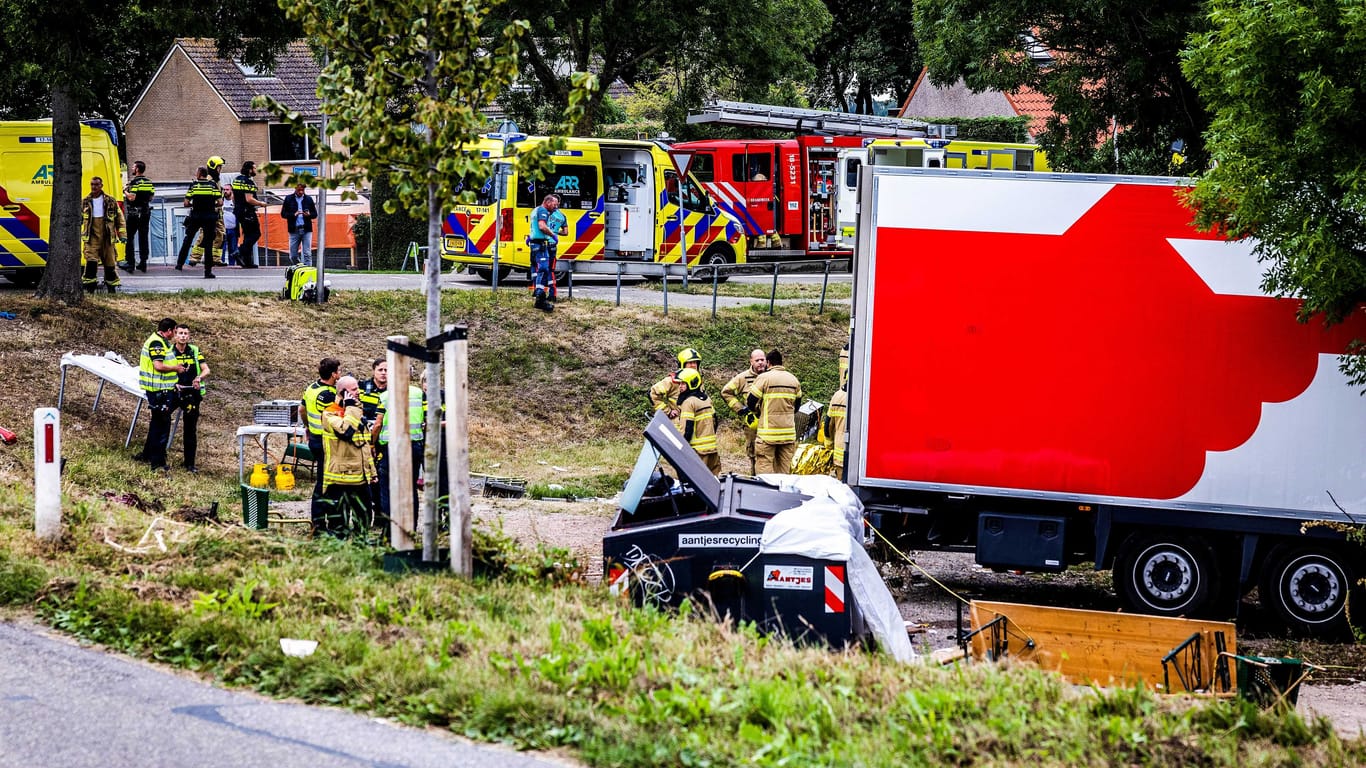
(284, 477)
(260, 476)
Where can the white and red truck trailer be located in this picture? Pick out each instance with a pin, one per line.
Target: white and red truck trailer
(1051, 369)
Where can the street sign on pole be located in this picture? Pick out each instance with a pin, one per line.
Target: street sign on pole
(681, 161)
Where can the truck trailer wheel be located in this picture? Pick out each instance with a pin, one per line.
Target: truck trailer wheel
(1308, 588)
(1166, 575)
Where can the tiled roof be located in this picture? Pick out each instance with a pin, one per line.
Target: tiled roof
(1037, 106)
(928, 101)
(293, 82)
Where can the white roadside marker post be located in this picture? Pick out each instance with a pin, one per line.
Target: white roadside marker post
(47, 473)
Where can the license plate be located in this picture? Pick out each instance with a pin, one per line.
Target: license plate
(455, 244)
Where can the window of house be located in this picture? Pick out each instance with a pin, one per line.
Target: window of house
(253, 72)
(286, 146)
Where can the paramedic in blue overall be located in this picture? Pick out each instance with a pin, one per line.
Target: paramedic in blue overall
(547, 224)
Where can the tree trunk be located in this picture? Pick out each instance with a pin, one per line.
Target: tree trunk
(431, 460)
(62, 278)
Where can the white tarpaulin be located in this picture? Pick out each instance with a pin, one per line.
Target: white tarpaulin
(830, 527)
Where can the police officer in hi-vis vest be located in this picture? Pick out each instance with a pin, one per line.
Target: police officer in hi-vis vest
(157, 376)
(317, 397)
(138, 196)
(203, 198)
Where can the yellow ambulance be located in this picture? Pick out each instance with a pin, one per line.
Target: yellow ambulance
(952, 153)
(623, 200)
(26, 171)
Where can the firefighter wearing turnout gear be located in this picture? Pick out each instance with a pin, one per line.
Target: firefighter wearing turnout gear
(213, 247)
(203, 198)
(102, 226)
(774, 396)
(835, 426)
(138, 195)
(348, 464)
(664, 393)
(317, 396)
(699, 419)
(735, 395)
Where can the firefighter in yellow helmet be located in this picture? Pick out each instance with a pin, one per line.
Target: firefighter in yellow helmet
(699, 418)
(734, 393)
(214, 248)
(774, 396)
(664, 393)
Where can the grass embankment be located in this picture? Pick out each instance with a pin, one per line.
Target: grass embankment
(526, 654)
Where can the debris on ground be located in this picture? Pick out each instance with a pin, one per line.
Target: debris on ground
(196, 515)
(131, 499)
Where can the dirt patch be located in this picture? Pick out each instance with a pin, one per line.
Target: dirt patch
(576, 526)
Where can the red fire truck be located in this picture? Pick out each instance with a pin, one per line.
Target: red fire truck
(789, 193)
(783, 191)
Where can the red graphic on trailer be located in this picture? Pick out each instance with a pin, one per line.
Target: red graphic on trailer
(1078, 378)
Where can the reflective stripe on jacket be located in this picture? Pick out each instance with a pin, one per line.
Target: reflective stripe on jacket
(699, 424)
(317, 397)
(347, 461)
(777, 392)
(837, 422)
(734, 391)
(417, 415)
(149, 378)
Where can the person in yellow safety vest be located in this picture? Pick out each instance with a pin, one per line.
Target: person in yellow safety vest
(835, 426)
(102, 225)
(699, 419)
(734, 395)
(157, 377)
(348, 464)
(214, 248)
(774, 396)
(417, 422)
(317, 396)
(664, 393)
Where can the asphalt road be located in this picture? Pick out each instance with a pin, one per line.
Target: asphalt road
(161, 278)
(64, 705)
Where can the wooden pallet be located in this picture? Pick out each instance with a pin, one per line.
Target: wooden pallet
(1105, 648)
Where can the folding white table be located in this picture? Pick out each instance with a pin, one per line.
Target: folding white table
(111, 369)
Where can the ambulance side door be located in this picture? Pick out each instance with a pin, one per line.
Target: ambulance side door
(577, 181)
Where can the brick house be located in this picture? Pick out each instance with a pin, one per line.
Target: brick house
(198, 104)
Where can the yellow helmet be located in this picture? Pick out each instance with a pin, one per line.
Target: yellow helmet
(690, 378)
(215, 163)
(688, 355)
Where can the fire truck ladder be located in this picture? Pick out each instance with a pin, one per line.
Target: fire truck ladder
(807, 120)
